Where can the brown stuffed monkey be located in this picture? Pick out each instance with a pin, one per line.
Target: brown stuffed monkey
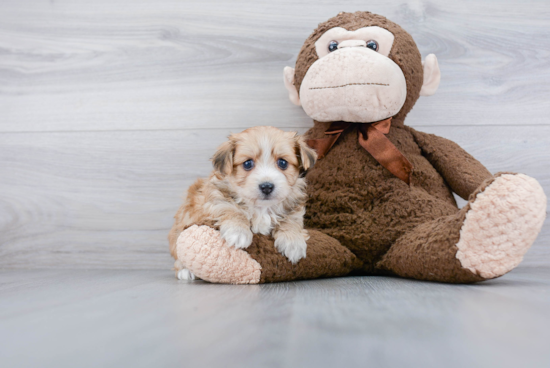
(380, 195)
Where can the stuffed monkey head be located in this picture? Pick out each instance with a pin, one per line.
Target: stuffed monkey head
(360, 68)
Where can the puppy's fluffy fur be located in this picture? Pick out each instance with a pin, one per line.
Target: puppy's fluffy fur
(266, 196)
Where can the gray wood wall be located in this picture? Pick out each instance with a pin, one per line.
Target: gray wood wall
(109, 109)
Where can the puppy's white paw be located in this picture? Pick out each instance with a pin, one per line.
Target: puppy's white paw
(185, 274)
(292, 245)
(237, 236)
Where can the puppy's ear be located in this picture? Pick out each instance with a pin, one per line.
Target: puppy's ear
(306, 154)
(223, 158)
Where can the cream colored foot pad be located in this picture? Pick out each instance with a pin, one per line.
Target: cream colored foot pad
(502, 223)
(203, 253)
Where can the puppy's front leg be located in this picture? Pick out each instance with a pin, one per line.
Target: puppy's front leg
(235, 230)
(290, 237)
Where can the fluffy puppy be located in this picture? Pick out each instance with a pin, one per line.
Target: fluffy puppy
(257, 186)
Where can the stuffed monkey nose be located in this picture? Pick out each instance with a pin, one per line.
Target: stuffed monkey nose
(352, 43)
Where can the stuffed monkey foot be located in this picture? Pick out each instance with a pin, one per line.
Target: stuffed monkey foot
(484, 240)
(501, 225)
(202, 252)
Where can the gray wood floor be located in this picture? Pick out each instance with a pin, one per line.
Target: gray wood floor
(144, 318)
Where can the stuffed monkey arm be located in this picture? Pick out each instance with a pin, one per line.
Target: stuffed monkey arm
(461, 171)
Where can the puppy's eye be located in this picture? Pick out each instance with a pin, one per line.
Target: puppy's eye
(283, 164)
(373, 45)
(332, 46)
(248, 165)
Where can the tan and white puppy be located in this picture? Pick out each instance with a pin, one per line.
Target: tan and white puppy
(257, 186)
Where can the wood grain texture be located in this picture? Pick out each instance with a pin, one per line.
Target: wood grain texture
(108, 110)
(108, 318)
(126, 65)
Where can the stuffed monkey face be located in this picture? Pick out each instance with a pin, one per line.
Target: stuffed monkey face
(353, 80)
(355, 71)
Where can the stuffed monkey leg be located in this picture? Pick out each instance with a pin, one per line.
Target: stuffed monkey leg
(484, 240)
(201, 250)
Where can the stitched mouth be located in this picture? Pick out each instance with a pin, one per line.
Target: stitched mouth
(353, 84)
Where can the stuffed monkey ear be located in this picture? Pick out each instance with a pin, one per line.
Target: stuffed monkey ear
(223, 158)
(432, 76)
(307, 155)
(288, 77)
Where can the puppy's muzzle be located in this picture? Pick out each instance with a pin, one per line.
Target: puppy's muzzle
(266, 188)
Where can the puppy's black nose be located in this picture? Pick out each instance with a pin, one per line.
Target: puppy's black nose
(267, 187)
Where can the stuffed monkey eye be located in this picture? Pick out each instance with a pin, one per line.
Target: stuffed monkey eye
(332, 46)
(373, 45)
(283, 164)
(248, 165)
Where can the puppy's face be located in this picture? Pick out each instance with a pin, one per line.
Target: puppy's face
(262, 164)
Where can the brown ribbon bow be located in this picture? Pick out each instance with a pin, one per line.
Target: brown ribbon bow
(372, 138)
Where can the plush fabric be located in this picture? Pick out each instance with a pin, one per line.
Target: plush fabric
(485, 239)
(364, 206)
(462, 173)
(432, 76)
(501, 224)
(333, 88)
(325, 257)
(201, 250)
